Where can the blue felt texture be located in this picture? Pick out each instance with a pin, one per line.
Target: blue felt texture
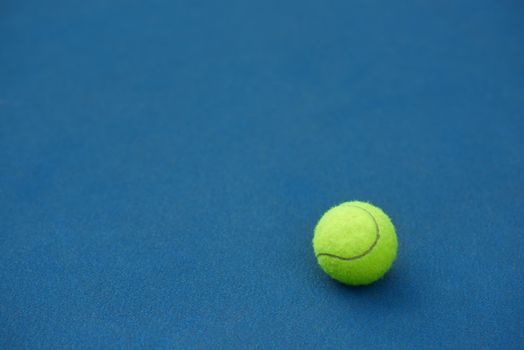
(163, 164)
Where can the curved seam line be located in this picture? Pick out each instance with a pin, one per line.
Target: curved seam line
(368, 250)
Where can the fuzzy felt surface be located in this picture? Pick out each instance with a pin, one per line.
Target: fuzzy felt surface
(355, 243)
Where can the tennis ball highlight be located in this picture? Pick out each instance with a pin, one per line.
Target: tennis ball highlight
(355, 243)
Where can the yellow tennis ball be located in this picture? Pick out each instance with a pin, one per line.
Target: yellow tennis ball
(355, 243)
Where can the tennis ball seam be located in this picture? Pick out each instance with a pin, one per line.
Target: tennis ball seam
(377, 237)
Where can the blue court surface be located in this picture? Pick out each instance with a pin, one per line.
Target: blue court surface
(163, 165)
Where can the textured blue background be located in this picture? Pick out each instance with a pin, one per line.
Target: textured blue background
(163, 164)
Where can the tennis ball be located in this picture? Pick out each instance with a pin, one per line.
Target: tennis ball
(355, 243)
